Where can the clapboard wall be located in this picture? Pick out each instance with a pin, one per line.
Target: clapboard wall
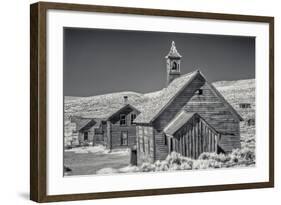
(114, 132)
(194, 138)
(178, 103)
(218, 115)
(209, 106)
(145, 144)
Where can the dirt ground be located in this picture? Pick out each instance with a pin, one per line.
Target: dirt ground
(87, 161)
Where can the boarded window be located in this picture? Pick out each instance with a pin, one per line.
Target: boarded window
(133, 117)
(123, 119)
(124, 138)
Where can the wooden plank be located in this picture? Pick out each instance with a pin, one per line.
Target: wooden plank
(185, 142)
(189, 142)
(216, 143)
(184, 145)
(200, 137)
(196, 139)
(192, 142)
(210, 140)
(204, 137)
(211, 144)
(180, 144)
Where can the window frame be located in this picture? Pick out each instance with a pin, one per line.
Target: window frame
(175, 66)
(86, 136)
(121, 120)
(133, 118)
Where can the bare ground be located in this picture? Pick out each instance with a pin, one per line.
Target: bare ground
(87, 162)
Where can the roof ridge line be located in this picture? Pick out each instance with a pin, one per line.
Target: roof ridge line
(191, 79)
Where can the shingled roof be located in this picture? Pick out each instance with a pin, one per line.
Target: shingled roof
(83, 124)
(159, 100)
(180, 120)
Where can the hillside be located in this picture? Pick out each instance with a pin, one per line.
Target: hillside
(242, 91)
(235, 92)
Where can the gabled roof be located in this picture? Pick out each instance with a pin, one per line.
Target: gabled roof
(158, 103)
(83, 124)
(125, 108)
(178, 122)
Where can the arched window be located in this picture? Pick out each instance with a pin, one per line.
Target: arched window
(175, 66)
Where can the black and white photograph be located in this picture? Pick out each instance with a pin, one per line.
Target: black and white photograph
(139, 101)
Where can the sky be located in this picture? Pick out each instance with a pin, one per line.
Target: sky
(99, 61)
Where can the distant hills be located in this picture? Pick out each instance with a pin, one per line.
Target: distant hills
(235, 92)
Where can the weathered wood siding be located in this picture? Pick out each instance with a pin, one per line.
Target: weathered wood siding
(90, 137)
(145, 144)
(169, 113)
(217, 114)
(194, 138)
(207, 105)
(161, 145)
(177, 104)
(114, 131)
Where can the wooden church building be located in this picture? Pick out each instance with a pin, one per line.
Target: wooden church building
(189, 116)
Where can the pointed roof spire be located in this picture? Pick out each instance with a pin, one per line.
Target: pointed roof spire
(173, 52)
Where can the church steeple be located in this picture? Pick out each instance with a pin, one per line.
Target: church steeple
(173, 64)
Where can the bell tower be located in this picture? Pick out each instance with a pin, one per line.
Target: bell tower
(173, 64)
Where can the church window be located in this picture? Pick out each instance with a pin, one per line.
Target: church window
(175, 66)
